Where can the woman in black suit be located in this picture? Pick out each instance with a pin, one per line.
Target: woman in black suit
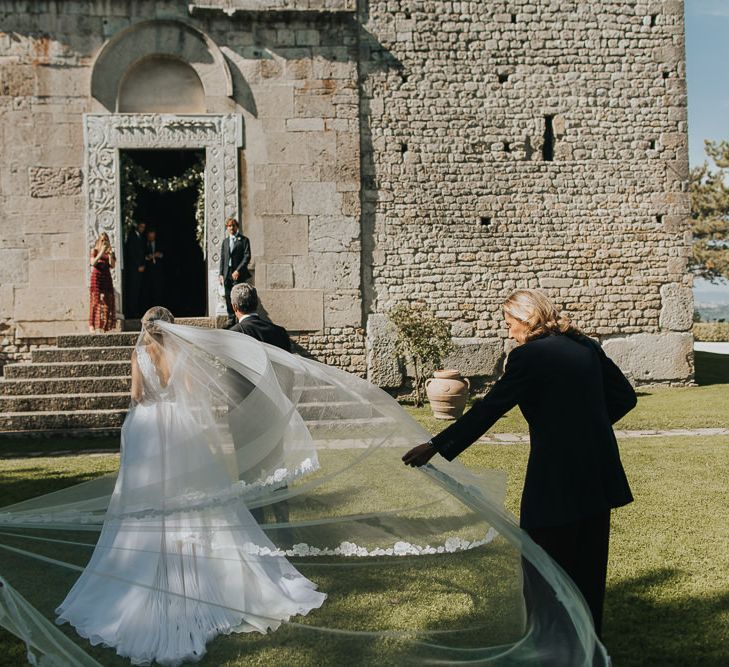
(570, 393)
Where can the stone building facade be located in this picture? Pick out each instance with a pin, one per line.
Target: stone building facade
(432, 151)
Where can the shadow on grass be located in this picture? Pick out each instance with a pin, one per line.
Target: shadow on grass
(32, 482)
(645, 626)
(11, 448)
(711, 368)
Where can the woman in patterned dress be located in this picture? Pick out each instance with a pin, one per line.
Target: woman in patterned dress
(102, 312)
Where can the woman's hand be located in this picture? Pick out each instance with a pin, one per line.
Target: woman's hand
(419, 455)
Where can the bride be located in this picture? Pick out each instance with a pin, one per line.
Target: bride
(180, 558)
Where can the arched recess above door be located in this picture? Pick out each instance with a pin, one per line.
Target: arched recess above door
(160, 38)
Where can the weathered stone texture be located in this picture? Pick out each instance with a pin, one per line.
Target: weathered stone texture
(648, 358)
(460, 204)
(476, 356)
(55, 182)
(394, 154)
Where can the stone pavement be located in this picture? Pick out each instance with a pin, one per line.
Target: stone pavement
(517, 438)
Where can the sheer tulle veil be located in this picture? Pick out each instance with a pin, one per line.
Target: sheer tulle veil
(419, 566)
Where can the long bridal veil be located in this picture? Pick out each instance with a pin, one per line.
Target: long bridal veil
(419, 566)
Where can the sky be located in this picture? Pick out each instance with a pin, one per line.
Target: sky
(707, 74)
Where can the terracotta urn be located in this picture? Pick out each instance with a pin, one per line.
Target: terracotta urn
(447, 392)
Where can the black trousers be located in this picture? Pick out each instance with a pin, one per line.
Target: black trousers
(581, 550)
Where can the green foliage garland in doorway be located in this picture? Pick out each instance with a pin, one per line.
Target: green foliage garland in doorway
(135, 177)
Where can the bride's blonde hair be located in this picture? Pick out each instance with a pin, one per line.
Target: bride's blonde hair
(153, 315)
(538, 312)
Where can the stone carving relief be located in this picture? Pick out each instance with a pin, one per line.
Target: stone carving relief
(106, 134)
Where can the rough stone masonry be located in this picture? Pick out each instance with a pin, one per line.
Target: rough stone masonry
(438, 152)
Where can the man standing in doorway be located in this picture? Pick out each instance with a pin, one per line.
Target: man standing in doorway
(235, 254)
(134, 266)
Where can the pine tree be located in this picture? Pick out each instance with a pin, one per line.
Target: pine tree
(710, 214)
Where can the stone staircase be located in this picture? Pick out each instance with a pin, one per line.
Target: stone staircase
(79, 387)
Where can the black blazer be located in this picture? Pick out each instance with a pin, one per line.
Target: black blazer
(570, 393)
(240, 257)
(134, 251)
(265, 331)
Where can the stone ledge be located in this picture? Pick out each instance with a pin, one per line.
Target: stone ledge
(647, 358)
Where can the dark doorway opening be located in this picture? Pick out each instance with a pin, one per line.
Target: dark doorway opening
(178, 279)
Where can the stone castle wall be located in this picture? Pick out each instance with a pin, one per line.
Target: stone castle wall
(460, 205)
(392, 151)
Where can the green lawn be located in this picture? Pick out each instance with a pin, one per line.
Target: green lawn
(668, 590)
(668, 597)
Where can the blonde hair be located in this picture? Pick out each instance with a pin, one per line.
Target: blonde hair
(539, 313)
(149, 319)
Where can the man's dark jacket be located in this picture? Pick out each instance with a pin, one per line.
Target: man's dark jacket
(265, 331)
(570, 393)
(239, 258)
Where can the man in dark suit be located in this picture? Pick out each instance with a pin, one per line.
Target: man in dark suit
(244, 300)
(134, 267)
(235, 255)
(153, 290)
(570, 393)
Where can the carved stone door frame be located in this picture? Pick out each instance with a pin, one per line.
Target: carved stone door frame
(221, 135)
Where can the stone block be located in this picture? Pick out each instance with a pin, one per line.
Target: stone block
(279, 276)
(274, 101)
(333, 233)
(305, 124)
(317, 198)
(314, 104)
(14, 266)
(476, 356)
(285, 235)
(294, 309)
(650, 358)
(54, 181)
(328, 270)
(342, 309)
(57, 303)
(7, 301)
(547, 282)
(287, 148)
(384, 367)
(275, 200)
(677, 307)
(284, 173)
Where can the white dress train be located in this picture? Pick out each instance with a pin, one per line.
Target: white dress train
(161, 584)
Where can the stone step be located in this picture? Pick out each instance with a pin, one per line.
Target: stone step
(68, 369)
(45, 421)
(99, 340)
(55, 354)
(37, 435)
(61, 402)
(80, 385)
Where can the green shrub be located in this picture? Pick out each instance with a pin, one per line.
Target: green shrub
(712, 332)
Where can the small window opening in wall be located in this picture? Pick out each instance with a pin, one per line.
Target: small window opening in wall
(403, 148)
(653, 20)
(503, 78)
(666, 74)
(548, 145)
(652, 144)
(507, 147)
(659, 218)
(484, 221)
(513, 18)
(403, 77)
(408, 14)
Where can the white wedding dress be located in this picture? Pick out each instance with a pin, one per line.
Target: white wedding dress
(180, 558)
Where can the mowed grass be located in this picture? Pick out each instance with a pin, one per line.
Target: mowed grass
(668, 590)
